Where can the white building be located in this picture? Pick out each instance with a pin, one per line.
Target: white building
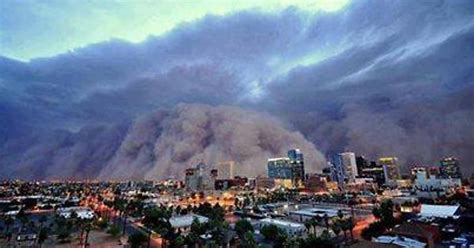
(344, 168)
(400, 241)
(425, 182)
(439, 211)
(291, 228)
(82, 212)
(184, 222)
(309, 213)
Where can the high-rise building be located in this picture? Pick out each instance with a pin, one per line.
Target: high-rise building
(199, 178)
(295, 155)
(450, 168)
(191, 179)
(391, 169)
(297, 166)
(361, 163)
(374, 171)
(225, 170)
(344, 168)
(287, 171)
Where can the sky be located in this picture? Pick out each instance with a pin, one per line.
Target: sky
(95, 88)
(35, 28)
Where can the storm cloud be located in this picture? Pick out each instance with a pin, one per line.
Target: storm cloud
(376, 77)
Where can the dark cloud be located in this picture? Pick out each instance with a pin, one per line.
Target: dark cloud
(378, 77)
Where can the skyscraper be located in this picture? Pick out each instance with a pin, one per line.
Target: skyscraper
(297, 166)
(450, 168)
(225, 170)
(372, 170)
(344, 167)
(199, 178)
(391, 169)
(287, 170)
(361, 163)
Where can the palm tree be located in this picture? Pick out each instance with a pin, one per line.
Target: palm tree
(347, 225)
(87, 228)
(42, 236)
(8, 221)
(341, 225)
(336, 228)
(42, 220)
(351, 225)
(308, 225)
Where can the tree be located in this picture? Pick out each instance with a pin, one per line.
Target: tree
(385, 213)
(248, 241)
(292, 243)
(23, 217)
(136, 239)
(270, 232)
(242, 227)
(316, 242)
(178, 210)
(64, 234)
(179, 241)
(211, 244)
(42, 220)
(326, 221)
(325, 235)
(336, 228)
(114, 230)
(8, 221)
(42, 236)
(347, 225)
(350, 224)
(343, 227)
(375, 229)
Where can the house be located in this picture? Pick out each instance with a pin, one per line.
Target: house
(291, 228)
(424, 233)
(439, 211)
(183, 223)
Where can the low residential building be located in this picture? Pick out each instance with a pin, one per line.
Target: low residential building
(440, 211)
(423, 233)
(183, 223)
(82, 212)
(399, 241)
(309, 213)
(291, 228)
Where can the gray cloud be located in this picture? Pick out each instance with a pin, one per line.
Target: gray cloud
(158, 145)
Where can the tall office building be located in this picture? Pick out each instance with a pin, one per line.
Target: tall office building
(344, 167)
(297, 165)
(287, 171)
(391, 169)
(361, 163)
(200, 178)
(450, 168)
(374, 171)
(225, 170)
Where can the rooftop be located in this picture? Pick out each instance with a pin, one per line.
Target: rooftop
(316, 212)
(186, 220)
(440, 211)
(278, 159)
(279, 222)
